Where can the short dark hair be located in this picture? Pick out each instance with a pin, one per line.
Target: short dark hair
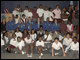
(40, 5)
(23, 15)
(34, 6)
(74, 37)
(69, 6)
(18, 37)
(49, 8)
(57, 5)
(26, 6)
(56, 39)
(68, 33)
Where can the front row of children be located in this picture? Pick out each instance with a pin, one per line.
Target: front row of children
(18, 45)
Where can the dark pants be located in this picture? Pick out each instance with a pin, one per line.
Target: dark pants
(64, 46)
(3, 49)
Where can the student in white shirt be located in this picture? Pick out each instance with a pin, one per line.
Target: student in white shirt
(46, 13)
(18, 33)
(29, 13)
(20, 13)
(29, 44)
(26, 11)
(47, 39)
(13, 43)
(20, 46)
(40, 12)
(67, 41)
(33, 36)
(51, 15)
(74, 48)
(40, 46)
(16, 19)
(24, 19)
(1, 35)
(18, 7)
(57, 48)
(15, 12)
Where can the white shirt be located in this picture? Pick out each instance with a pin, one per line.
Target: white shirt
(69, 26)
(6, 38)
(51, 14)
(73, 46)
(33, 36)
(21, 44)
(57, 46)
(16, 20)
(28, 40)
(48, 38)
(14, 13)
(26, 13)
(60, 37)
(66, 41)
(18, 34)
(18, 8)
(40, 12)
(20, 13)
(2, 42)
(30, 14)
(40, 43)
(1, 35)
(14, 43)
(46, 14)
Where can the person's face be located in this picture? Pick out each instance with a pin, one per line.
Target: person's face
(25, 31)
(58, 32)
(57, 7)
(4, 20)
(51, 10)
(19, 21)
(75, 40)
(28, 36)
(10, 19)
(68, 36)
(69, 22)
(40, 38)
(18, 6)
(62, 22)
(19, 39)
(6, 34)
(24, 16)
(26, 8)
(46, 8)
(32, 31)
(29, 10)
(34, 8)
(64, 9)
(55, 21)
(47, 32)
(70, 7)
(47, 19)
(20, 10)
(14, 36)
(40, 28)
(16, 16)
(76, 8)
(17, 30)
(56, 41)
(15, 8)
(29, 19)
(40, 6)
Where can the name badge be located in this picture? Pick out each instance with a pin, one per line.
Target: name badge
(18, 25)
(21, 26)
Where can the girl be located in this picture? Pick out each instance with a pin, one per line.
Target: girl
(29, 44)
(24, 34)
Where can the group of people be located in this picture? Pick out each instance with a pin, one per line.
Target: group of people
(43, 28)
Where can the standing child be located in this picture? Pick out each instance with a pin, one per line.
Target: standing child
(29, 44)
(16, 19)
(40, 46)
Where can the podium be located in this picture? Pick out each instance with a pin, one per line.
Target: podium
(7, 16)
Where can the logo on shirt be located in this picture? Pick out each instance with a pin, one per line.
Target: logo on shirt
(18, 25)
(21, 26)
(12, 23)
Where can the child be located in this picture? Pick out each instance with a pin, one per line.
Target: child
(29, 44)
(56, 48)
(47, 40)
(24, 34)
(20, 13)
(16, 19)
(18, 33)
(13, 43)
(20, 46)
(40, 46)
(67, 41)
(24, 20)
(74, 48)
(18, 7)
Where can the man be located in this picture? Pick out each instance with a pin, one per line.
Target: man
(20, 25)
(40, 12)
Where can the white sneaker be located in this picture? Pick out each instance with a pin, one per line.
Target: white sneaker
(28, 55)
(45, 48)
(22, 53)
(40, 56)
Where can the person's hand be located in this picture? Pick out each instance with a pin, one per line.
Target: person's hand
(52, 55)
(64, 55)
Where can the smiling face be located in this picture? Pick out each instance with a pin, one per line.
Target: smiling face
(56, 41)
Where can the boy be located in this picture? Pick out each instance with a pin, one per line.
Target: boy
(56, 48)
(40, 46)
(20, 46)
(29, 44)
(20, 13)
(67, 41)
(18, 7)
(74, 48)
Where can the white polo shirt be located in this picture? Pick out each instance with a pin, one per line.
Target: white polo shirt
(26, 13)
(57, 46)
(48, 39)
(40, 12)
(67, 42)
(2, 42)
(73, 46)
(15, 13)
(18, 34)
(16, 20)
(33, 36)
(28, 40)
(14, 42)
(69, 26)
(40, 43)
(6, 38)
(30, 14)
(51, 14)
(21, 44)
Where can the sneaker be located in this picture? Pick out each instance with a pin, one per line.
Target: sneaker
(22, 53)
(40, 56)
(45, 48)
(28, 55)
